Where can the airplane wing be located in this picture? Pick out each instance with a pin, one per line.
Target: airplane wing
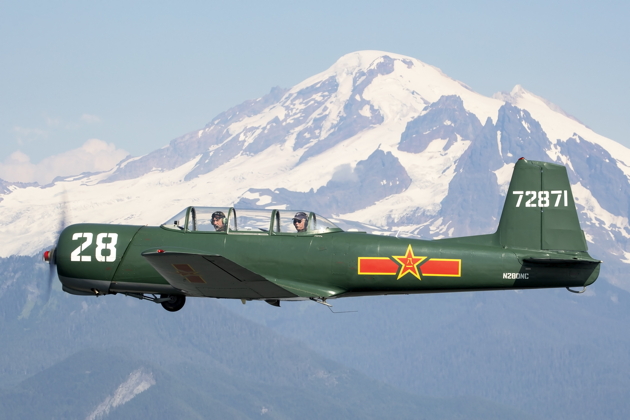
(213, 276)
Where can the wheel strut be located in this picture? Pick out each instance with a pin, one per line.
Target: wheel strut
(171, 303)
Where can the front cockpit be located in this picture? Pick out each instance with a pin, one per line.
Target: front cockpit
(234, 221)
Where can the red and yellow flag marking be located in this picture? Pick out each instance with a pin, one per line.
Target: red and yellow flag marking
(442, 267)
(409, 263)
(378, 266)
(403, 264)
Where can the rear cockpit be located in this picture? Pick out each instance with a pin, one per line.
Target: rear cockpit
(231, 220)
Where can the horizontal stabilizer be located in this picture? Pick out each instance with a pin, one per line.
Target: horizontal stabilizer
(554, 261)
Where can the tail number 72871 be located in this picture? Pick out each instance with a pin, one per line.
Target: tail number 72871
(542, 198)
(101, 246)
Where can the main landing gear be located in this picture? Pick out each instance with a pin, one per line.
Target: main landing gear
(171, 303)
(174, 302)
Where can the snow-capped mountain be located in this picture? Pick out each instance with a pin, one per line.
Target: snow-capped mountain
(378, 138)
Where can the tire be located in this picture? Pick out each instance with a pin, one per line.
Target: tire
(175, 302)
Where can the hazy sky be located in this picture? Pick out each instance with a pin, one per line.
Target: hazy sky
(136, 74)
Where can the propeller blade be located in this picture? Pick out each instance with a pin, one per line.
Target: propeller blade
(48, 287)
(49, 256)
(61, 223)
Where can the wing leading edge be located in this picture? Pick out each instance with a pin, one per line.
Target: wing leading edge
(213, 276)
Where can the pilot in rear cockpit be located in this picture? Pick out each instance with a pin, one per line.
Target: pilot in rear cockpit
(218, 221)
(300, 221)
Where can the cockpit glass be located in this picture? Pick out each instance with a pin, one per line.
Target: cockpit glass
(208, 219)
(227, 219)
(292, 221)
(250, 220)
(319, 224)
(300, 221)
(177, 222)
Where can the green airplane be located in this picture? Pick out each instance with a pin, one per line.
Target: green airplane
(275, 255)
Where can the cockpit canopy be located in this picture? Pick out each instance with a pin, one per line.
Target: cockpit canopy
(231, 220)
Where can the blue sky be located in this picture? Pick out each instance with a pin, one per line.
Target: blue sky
(136, 74)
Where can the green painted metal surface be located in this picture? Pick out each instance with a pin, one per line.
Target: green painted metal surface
(255, 255)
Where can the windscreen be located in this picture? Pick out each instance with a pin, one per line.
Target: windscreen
(177, 222)
(319, 224)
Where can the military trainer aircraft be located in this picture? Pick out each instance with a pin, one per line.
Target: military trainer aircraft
(275, 255)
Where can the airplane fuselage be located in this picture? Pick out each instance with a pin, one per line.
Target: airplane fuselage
(109, 259)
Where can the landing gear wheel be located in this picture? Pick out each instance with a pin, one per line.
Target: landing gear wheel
(174, 303)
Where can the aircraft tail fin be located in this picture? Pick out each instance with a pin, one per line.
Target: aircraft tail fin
(539, 211)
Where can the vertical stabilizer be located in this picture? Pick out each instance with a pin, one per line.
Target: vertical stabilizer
(539, 211)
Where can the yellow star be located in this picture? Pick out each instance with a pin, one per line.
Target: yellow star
(409, 263)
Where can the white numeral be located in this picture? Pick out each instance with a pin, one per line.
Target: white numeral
(558, 195)
(76, 254)
(542, 198)
(101, 245)
(529, 202)
(111, 246)
(520, 197)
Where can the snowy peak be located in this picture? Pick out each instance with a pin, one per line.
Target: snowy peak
(523, 98)
(360, 92)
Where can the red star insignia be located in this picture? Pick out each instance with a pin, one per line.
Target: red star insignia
(409, 263)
